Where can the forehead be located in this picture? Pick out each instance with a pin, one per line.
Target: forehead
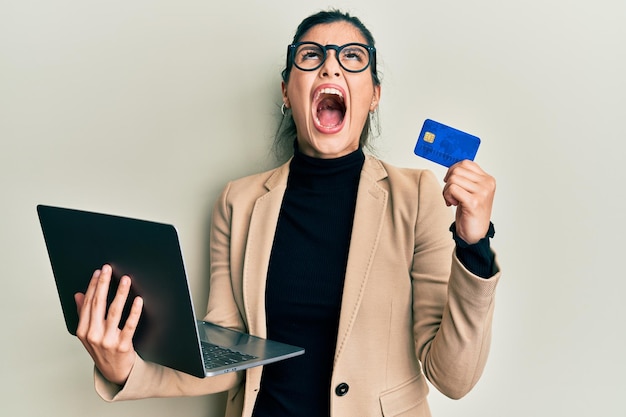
(336, 33)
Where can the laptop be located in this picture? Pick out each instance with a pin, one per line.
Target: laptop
(168, 333)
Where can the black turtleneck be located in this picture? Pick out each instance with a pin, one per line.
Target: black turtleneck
(305, 282)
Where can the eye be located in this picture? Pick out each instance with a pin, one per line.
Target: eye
(308, 53)
(354, 53)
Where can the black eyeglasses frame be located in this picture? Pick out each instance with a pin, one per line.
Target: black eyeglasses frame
(291, 51)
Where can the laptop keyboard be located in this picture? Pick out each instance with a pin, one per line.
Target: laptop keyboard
(216, 356)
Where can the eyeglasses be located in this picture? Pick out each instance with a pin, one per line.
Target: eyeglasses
(309, 56)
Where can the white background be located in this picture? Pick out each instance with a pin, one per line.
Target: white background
(146, 108)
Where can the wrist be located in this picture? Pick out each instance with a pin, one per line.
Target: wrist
(463, 244)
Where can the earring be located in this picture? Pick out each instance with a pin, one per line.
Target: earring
(282, 109)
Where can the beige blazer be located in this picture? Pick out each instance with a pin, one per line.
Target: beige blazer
(407, 300)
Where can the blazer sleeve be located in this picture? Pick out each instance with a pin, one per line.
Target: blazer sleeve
(148, 379)
(452, 308)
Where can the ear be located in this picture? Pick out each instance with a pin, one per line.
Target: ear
(283, 87)
(375, 98)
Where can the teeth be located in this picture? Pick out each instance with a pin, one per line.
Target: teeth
(329, 90)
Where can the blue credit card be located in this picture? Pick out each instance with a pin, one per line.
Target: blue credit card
(445, 145)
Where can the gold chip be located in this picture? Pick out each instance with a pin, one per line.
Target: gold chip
(429, 137)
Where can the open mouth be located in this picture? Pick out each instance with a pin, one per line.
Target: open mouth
(329, 108)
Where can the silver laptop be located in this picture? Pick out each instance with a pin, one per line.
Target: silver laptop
(168, 333)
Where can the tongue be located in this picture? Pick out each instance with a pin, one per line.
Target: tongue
(329, 113)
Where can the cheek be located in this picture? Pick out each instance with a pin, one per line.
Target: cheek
(361, 85)
(298, 88)
(362, 100)
(298, 106)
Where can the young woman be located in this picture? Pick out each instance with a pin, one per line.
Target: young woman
(359, 262)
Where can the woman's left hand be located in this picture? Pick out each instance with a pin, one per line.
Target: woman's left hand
(471, 190)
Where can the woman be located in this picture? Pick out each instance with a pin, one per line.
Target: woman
(334, 251)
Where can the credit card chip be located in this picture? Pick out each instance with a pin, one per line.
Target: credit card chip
(429, 137)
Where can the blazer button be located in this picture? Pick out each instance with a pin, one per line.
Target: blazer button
(342, 389)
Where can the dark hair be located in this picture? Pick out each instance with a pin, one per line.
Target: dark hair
(286, 132)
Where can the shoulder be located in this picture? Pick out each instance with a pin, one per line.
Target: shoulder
(255, 185)
(260, 177)
(399, 179)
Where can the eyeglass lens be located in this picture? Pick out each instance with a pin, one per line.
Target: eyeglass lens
(352, 57)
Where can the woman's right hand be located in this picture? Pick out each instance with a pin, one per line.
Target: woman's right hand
(111, 348)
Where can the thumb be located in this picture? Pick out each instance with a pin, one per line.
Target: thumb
(79, 297)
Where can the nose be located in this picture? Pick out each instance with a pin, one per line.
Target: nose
(331, 66)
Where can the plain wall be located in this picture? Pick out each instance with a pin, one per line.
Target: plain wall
(146, 108)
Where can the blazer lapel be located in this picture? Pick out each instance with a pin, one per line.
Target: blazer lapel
(368, 219)
(263, 222)
(370, 208)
